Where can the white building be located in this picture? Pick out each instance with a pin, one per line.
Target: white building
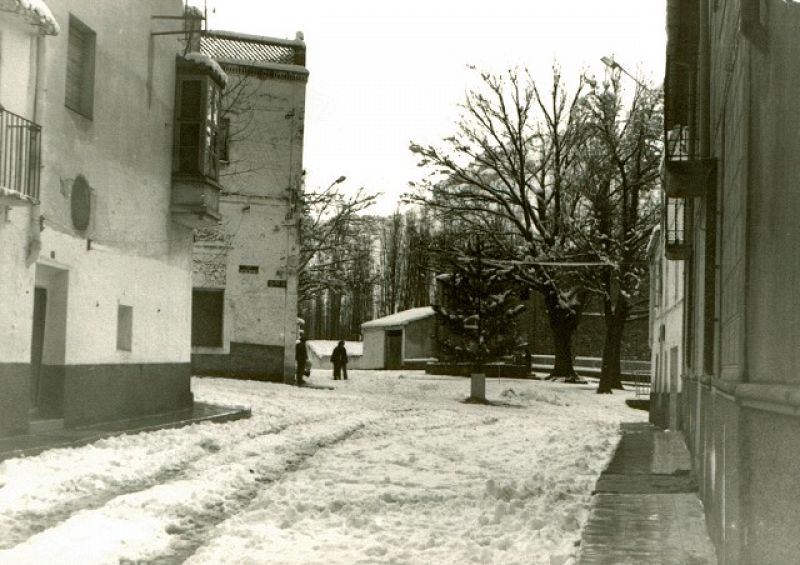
(405, 340)
(95, 263)
(666, 334)
(244, 316)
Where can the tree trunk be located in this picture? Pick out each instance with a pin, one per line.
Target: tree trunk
(610, 373)
(563, 323)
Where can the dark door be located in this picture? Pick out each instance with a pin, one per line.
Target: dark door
(37, 342)
(394, 349)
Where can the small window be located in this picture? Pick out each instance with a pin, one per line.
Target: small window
(207, 317)
(223, 150)
(80, 68)
(124, 327)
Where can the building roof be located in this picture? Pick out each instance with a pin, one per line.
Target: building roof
(245, 48)
(400, 318)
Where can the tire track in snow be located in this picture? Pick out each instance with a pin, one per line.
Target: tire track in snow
(27, 524)
(194, 529)
(180, 514)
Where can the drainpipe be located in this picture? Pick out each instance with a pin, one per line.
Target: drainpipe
(35, 224)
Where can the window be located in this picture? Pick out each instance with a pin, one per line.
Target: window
(224, 139)
(124, 327)
(197, 124)
(207, 317)
(80, 68)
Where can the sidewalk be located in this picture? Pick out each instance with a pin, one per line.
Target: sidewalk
(645, 508)
(50, 434)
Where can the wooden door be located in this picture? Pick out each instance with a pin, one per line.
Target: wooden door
(37, 343)
(394, 349)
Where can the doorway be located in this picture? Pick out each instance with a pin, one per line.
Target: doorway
(37, 344)
(394, 349)
(48, 342)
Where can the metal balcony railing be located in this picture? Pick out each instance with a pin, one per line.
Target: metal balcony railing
(20, 155)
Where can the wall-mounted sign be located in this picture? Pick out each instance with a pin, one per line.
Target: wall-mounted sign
(276, 283)
(248, 269)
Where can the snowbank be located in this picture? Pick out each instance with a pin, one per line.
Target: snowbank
(387, 467)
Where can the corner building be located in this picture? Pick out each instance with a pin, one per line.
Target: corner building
(98, 207)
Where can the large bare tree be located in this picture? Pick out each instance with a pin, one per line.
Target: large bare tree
(620, 170)
(513, 158)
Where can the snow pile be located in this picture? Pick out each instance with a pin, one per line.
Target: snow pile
(35, 11)
(381, 469)
(400, 318)
(210, 64)
(324, 347)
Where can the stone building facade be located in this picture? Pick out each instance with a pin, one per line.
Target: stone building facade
(732, 123)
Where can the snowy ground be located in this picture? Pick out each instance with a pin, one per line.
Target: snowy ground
(388, 468)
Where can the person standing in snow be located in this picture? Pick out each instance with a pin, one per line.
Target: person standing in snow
(339, 360)
(301, 359)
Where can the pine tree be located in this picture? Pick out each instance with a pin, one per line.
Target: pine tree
(476, 315)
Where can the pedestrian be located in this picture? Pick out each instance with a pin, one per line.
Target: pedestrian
(339, 360)
(301, 359)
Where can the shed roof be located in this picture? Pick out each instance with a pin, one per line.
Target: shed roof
(400, 318)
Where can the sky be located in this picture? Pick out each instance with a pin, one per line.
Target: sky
(385, 74)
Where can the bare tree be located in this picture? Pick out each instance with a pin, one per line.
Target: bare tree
(513, 158)
(329, 218)
(620, 169)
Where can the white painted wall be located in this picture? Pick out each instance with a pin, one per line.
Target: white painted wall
(265, 163)
(18, 47)
(16, 288)
(373, 357)
(17, 64)
(137, 255)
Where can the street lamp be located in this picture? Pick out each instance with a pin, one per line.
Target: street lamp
(614, 66)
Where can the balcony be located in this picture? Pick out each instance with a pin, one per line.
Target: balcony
(676, 236)
(686, 175)
(195, 201)
(20, 159)
(195, 165)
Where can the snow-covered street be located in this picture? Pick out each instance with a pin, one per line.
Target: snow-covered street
(390, 467)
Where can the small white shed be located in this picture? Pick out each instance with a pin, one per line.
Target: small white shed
(401, 340)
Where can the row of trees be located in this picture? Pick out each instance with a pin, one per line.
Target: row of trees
(563, 186)
(560, 189)
(356, 267)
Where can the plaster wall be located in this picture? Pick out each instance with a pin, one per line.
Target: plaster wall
(418, 338)
(666, 364)
(259, 227)
(374, 343)
(130, 254)
(773, 230)
(18, 49)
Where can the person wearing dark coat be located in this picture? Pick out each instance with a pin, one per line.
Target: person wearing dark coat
(301, 359)
(339, 360)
